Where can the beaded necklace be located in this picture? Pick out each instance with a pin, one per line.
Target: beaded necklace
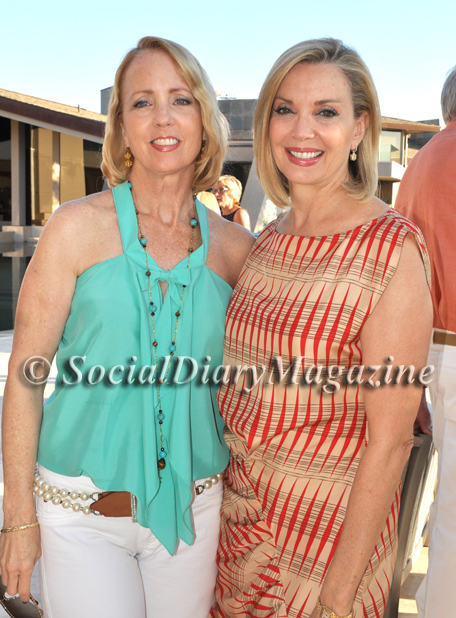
(153, 308)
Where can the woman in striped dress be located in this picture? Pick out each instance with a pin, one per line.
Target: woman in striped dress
(309, 517)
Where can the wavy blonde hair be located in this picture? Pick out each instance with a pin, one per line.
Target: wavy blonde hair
(209, 164)
(363, 180)
(235, 187)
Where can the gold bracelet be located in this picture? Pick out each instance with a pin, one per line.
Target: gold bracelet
(325, 612)
(24, 527)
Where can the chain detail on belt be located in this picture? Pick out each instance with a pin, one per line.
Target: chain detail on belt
(65, 497)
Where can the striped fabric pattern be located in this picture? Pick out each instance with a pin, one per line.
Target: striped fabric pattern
(295, 449)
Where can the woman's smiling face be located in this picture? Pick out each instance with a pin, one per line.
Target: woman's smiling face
(161, 119)
(313, 127)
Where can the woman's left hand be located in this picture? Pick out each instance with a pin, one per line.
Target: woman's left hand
(423, 421)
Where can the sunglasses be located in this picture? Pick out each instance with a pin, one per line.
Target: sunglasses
(221, 190)
(15, 608)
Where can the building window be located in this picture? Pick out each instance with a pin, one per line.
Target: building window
(5, 170)
(390, 147)
(42, 172)
(63, 168)
(92, 171)
(12, 270)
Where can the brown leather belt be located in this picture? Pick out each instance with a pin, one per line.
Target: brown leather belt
(123, 503)
(443, 338)
(113, 504)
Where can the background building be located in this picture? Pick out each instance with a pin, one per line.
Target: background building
(399, 142)
(50, 154)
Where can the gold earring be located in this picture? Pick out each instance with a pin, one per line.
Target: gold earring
(128, 156)
(202, 151)
(353, 155)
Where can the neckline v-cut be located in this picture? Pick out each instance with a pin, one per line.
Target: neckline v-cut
(129, 232)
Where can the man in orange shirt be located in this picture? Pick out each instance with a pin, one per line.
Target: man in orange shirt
(427, 196)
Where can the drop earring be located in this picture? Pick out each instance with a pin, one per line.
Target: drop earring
(128, 156)
(202, 151)
(353, 155)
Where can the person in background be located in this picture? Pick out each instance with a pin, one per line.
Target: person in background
(427, 196)
(312, 491)
(228, 191)
(126, 281)
(208, 199)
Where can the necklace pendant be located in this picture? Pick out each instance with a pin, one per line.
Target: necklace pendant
(161, 463)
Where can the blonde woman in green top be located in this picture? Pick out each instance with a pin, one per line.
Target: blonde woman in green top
(122, 281)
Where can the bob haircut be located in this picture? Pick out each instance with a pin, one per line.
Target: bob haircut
(448, 98)
(234, 186)
(363, 180)
(209, 163)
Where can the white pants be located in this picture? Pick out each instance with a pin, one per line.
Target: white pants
(437, 594)
(110, 567)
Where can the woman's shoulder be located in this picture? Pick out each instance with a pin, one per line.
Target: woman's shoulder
(385, 221)
(83, 227)
(413, 240)
(391, 229)
(241, 217)
(398, 220)
(82, 216)
(230, 234)
(94, 205)
(397, 225)
(229, 246)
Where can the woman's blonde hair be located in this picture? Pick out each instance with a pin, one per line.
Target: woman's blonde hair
(363, 180)
(234, 186)
(209, 163)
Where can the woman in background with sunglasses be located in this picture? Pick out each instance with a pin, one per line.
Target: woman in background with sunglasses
(228, 191)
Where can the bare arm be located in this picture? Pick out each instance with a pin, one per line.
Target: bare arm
(242, 218)
(229, 247)
(43, 307)
(400, 326)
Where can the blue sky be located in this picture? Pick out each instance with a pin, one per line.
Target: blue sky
(68, 51)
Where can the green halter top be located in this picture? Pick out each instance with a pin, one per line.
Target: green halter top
(109, 432)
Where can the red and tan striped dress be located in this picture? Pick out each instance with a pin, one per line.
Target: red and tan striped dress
(295, 450)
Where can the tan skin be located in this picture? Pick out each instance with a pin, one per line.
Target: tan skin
(227, 205)
(208, 199)
(301, 122)
(83, 233)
